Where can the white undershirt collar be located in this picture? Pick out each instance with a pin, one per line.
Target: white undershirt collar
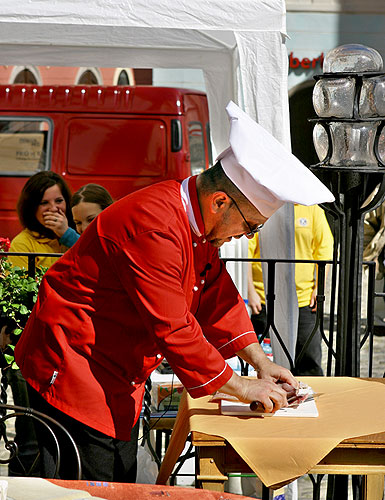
(184, 192)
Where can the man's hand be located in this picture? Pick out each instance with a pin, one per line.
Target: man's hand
(313, 300)
(254, 301)
(274, 382)
(268, 370)
(273, 396)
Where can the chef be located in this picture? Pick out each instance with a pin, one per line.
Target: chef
(145, 282)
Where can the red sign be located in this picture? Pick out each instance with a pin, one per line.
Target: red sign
(305, 63)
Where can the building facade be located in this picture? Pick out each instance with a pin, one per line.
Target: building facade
(314, 28)
(56, 75)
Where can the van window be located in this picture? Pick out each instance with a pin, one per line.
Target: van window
(117, 147)
(23, 145)
(209, 147)
(197, 147)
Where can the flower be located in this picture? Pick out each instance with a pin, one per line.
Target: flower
(5, 244)
(18, 293)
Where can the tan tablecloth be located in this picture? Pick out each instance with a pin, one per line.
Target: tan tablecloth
(281, 449)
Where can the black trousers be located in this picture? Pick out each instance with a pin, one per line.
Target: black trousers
(27, 461)
(103, 458)
(311, 362)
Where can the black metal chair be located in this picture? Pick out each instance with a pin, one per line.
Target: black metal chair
(8, 412)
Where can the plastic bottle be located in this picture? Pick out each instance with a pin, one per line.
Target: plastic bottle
(266, 346)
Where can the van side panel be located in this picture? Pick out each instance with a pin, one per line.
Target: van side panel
(118, 147)
(119, 137)
(121, 154)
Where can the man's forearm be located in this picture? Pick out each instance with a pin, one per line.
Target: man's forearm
(253, 354)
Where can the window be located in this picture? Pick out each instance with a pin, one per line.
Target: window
(24, 146)
(123, 78)
(197, 147)
(25, 76)
(88, 78)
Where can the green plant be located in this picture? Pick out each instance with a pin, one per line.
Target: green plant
(18, 293)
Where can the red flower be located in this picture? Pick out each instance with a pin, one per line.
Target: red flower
(5, 244)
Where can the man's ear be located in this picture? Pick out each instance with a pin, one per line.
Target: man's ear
(219, 202)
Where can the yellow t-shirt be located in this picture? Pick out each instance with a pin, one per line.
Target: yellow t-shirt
(29, 241)
(313, 241)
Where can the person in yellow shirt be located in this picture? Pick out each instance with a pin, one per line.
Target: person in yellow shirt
(313, 241)
(44, 212)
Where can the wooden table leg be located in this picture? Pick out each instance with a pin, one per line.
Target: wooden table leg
(209, 468)
(373, 487)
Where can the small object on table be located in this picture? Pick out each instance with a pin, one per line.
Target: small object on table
(256, 406)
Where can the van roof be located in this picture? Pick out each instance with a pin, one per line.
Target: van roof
(94, 98)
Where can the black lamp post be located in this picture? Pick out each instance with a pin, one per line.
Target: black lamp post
(349, 138)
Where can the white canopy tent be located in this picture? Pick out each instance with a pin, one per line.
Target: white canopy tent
(239, 45)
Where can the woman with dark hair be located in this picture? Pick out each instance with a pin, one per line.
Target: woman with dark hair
(44, 212)
(87, 203)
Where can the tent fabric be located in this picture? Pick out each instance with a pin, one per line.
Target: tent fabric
(158, 33)
(239, 45)
(258, 15)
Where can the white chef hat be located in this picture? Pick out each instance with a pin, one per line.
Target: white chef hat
(264, 170)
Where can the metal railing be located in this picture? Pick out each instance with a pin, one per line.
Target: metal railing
(322, 317)
(321, 314)
(31, 269)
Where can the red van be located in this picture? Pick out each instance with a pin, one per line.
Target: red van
(123, 138)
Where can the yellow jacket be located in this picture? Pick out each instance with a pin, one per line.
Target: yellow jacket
(29, 241)
(313, 241)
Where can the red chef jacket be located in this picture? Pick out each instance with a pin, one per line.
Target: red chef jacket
(138, 285)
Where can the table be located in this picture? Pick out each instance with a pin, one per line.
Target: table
(363, 455)
(339, 448)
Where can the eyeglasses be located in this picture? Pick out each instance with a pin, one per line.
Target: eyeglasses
(252, 231)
